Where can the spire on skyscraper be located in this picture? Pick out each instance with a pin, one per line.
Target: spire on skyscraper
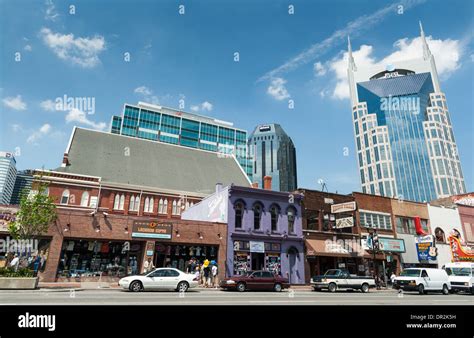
(352, 65)
(426, 48)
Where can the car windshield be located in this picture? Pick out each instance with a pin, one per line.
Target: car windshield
(466, 272)
(410, 273)
(332, 273)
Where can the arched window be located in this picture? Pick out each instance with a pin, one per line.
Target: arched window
(178, 209)
(137, 203)
(151, 205)
(84, 199)
(239, 212)
(117, 202)
(174, 209)
(147, 204)
(274, 213)
(65, 197)
(122, 202)
(257, 215)
(161, 206)
(131, 206)
(440, 237)
(291, 214)
(165, 206)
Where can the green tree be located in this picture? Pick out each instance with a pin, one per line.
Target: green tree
(37, 211)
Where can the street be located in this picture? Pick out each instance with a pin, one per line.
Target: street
(216, 297)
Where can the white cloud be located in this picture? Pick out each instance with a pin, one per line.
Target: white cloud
(48, 105)
(50, 12)
(79, 51)
(15, 103)
(319, 69)
(194, 108)
(76, 115)
(352, 28)
(205, 106)
(447, 54)
(38, 134)
(277, 89)
(28, 48)
(147, 94)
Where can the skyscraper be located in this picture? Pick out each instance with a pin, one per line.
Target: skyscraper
(173, 126)
(23, 182)
(273, 154)
(404, 138)
(7, 176)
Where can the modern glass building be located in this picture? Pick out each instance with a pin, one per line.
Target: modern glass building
(7, 176)
(168, 125)
(273, 154)
(404, 138)
(23, 182)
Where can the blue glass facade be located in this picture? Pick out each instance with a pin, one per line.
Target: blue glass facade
(400, 104)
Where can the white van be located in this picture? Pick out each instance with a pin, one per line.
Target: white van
(423, 280)
(461, 276)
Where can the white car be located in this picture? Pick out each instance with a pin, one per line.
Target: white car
(423, 280)
(160, 279)
(461, 276)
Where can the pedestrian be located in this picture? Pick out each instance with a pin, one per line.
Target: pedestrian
(36, 264)
(15, 262)
(207, 273)
(197, 273)
(392, 278)
(148, 266)
(215, 278)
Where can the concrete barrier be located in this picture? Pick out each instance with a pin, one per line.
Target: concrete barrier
(25, 283)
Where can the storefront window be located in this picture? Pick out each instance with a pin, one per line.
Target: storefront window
(84, 258)
(179, 256)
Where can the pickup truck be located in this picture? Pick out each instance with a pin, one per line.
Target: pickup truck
(341, 279)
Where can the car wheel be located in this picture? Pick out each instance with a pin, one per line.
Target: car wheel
(241, 287)
(182, 287)
(445, 289)
(421, 289)
(277, 288)
(365, 288)
(332, 287)
(136, 286)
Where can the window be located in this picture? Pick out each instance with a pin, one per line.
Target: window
(84, 199)
(239, 210)
(117, 202)
(176, 210)
(134, 203)
(122, 202)
(274, 212)
(148, 204)
(440, 237)
(257, 215)
(291, 213)
(405, 225)
(93, 202)
(65, 197)
(171, 273)
(312, 221)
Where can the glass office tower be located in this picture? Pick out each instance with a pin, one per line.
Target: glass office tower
(7, 176)
(190, 130)
(273, 154)
(404, 138)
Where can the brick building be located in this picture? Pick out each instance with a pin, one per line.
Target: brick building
(119, 203)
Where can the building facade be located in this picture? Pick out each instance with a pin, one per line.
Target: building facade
(273, 154)
(23, 182)
(264, 230)
(173, 126)
(404, 137)
(7, 176)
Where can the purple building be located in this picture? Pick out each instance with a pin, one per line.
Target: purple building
(264, 229)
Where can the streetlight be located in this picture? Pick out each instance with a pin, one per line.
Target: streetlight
(374, 240)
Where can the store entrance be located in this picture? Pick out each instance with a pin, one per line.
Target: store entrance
(258, 261)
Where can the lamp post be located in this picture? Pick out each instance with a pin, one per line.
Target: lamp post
(374, 239)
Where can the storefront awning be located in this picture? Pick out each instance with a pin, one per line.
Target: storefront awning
(329, 247)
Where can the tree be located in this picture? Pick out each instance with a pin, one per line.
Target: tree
(37, 211)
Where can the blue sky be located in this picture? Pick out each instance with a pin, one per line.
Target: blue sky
(47, 52)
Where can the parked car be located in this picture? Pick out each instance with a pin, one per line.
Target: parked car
(255, 280)
(461, 276)
(160, 279)
(341, 279)
(423, 280)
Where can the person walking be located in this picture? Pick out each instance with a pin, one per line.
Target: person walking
(215, 278)
(15, 262)
(392, 278)
(148, 266)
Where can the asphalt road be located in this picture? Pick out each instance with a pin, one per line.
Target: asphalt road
(208, 297)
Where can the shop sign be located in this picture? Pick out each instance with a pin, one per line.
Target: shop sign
(154, 229)
(343, 207)
(328, 201)
(258, 247)
(346, 222)
(425, 248)
(386, 244)
(149, 252)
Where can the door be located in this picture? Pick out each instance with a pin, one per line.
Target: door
(258, 260)
(255, 281)
(293, 275)
(170, 279)
(426, 279)
(268, 280)
(154, 280)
